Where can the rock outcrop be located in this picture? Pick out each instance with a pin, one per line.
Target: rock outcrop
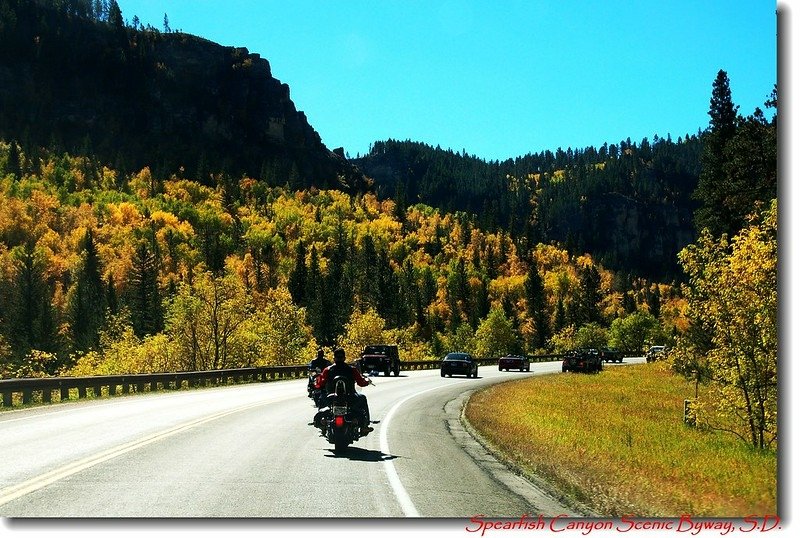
(136, 97)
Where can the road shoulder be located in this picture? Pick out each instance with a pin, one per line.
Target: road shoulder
(542, 496)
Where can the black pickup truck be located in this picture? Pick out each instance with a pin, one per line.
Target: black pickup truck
(380, 358)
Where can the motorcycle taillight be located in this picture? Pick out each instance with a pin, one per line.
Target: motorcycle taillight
(339, 421)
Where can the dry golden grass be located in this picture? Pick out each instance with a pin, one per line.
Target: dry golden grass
(616, 441)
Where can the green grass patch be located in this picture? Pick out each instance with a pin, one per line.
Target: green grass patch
(616, 442)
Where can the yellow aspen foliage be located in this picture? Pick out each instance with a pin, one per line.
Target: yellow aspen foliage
(16, 223)
(108, 178)
(43, 209)
(363, 329)
(278, 334)
(188, 191)
(143, 183)
(732, 343)
(123, 214)
(549, 257)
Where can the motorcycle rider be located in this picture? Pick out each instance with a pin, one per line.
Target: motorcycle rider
(340, 368)
(315, 367)
(320, 361)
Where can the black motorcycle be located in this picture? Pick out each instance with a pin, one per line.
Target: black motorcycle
(314, 393)
(340, 421)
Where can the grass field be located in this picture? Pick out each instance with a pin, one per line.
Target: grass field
(616, 442)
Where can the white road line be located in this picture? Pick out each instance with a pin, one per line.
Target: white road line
(409, 510)
(29, 486)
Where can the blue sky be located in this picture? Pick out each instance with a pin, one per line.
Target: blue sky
(497, 79)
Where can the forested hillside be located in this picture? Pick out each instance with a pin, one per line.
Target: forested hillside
(634, 206)
(629, 204)
(106, 272)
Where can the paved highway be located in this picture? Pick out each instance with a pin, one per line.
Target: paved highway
(248, 451)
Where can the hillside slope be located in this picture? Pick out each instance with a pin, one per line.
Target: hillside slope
(137, 97)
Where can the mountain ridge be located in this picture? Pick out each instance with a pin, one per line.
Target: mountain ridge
(174, 102)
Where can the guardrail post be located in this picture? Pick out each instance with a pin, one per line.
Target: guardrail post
(689, 416)
(112, 389)
(153, 386)
(27, 396)
(64, 393)
(8, 399)
(82, 391)
(47, 395)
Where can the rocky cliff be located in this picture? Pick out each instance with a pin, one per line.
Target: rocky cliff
(172, 101)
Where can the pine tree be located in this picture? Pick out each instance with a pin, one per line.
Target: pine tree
(368, 276)
(388, 302)
(586, 309)
(560, 318)
(145, 299)
(711, 187)
(654, 301)
(298, 276)
(115, 14)
(14, 160)
(31, 313)
(339, 282)
(537, 307)
(315, 300)
(111, 296)
(722, 110)
(87, 301)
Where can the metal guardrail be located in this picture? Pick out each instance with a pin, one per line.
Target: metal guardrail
(137, 383)
(128, 383)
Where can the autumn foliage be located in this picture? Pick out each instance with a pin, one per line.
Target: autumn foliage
(732, 345)
(104, 272)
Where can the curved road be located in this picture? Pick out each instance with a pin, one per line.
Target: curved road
(248, 451)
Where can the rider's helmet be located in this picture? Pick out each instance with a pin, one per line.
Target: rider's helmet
(321, 353)
(338, 355)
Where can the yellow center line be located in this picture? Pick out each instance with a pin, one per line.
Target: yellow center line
(29, 486)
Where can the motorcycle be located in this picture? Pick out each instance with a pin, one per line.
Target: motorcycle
(340, 422)
(314, 393)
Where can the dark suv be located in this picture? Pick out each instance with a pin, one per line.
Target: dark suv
(582, 360)
(380, 358)
(459, 363)
(611, 354)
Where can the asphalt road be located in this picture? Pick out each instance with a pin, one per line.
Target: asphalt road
(248, 451)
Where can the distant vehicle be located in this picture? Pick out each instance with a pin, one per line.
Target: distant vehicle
(582, 360)
(380, 358)
(611, 354)
(459, 363)
(514, 362)
(655, 353)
